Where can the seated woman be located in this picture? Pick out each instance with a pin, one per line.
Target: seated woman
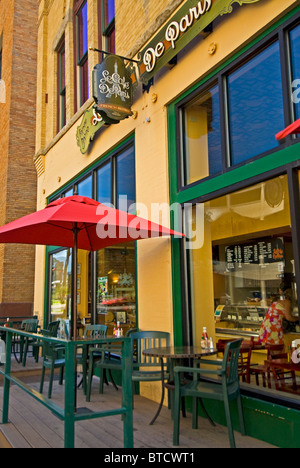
(271, 331)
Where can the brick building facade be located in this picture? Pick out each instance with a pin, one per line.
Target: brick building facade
(18, 44)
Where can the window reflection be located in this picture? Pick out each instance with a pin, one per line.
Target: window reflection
(85, 188)
(255, 105)
(104, 184)
(125, 183)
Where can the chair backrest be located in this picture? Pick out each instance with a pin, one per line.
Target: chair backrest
(95, 331)
(245, 361)
(48, 348)
(145, 340)
(53, 328)
(276, 351)
(231, 361)
(30, 325)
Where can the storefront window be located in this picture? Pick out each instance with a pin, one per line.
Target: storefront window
(202, 155)
(106, 280)
(60, 289)
(116, 293)
(295, 60)
(255, 105)
(241, 254)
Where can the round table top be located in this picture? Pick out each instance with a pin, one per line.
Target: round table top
(180, 352)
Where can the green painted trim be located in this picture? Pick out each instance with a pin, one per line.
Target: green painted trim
(177, 295)
(252, 169)
(272, 423)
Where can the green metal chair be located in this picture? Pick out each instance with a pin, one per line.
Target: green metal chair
(51, 330)
(90, 331)
(145, 369)
(30, 326)
(53, 358)
(225, 389)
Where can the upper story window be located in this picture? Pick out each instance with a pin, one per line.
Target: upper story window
(234, 117)
(202, 136)
(107, 40)
(61, 86)
(255, 105)
(82, 75)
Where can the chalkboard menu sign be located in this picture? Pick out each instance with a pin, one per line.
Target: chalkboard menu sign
(263, 251)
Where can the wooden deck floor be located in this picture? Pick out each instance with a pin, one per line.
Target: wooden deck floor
(34, 426)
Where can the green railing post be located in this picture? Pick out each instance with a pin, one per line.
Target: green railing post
(70, 389)
(6, 380)
(127, 393)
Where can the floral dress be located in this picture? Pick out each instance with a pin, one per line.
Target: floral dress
(272, 330)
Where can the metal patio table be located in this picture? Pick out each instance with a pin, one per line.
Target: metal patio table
(175, 355)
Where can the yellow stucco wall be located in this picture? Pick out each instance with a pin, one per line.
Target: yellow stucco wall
(63, 161)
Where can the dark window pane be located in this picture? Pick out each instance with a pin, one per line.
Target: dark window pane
(255, 104)
(125, 164)
(295, 58)
(104, 184)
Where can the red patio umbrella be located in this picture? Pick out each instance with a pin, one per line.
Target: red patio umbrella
(80, 223)
(294, 128)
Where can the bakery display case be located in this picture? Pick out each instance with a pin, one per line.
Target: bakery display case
(244, 320)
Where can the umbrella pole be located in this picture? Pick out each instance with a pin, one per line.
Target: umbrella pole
(74, 287)
(73, 328)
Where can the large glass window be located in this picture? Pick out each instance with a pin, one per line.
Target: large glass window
(202, 137)
(236, 118)
(106, 280)
(295, 61)
(241, 255)
(255, 105)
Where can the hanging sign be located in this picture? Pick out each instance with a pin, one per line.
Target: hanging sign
(112, 89)
(189, 21)
(91, 123)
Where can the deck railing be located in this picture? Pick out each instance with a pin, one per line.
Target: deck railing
(69, 412)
